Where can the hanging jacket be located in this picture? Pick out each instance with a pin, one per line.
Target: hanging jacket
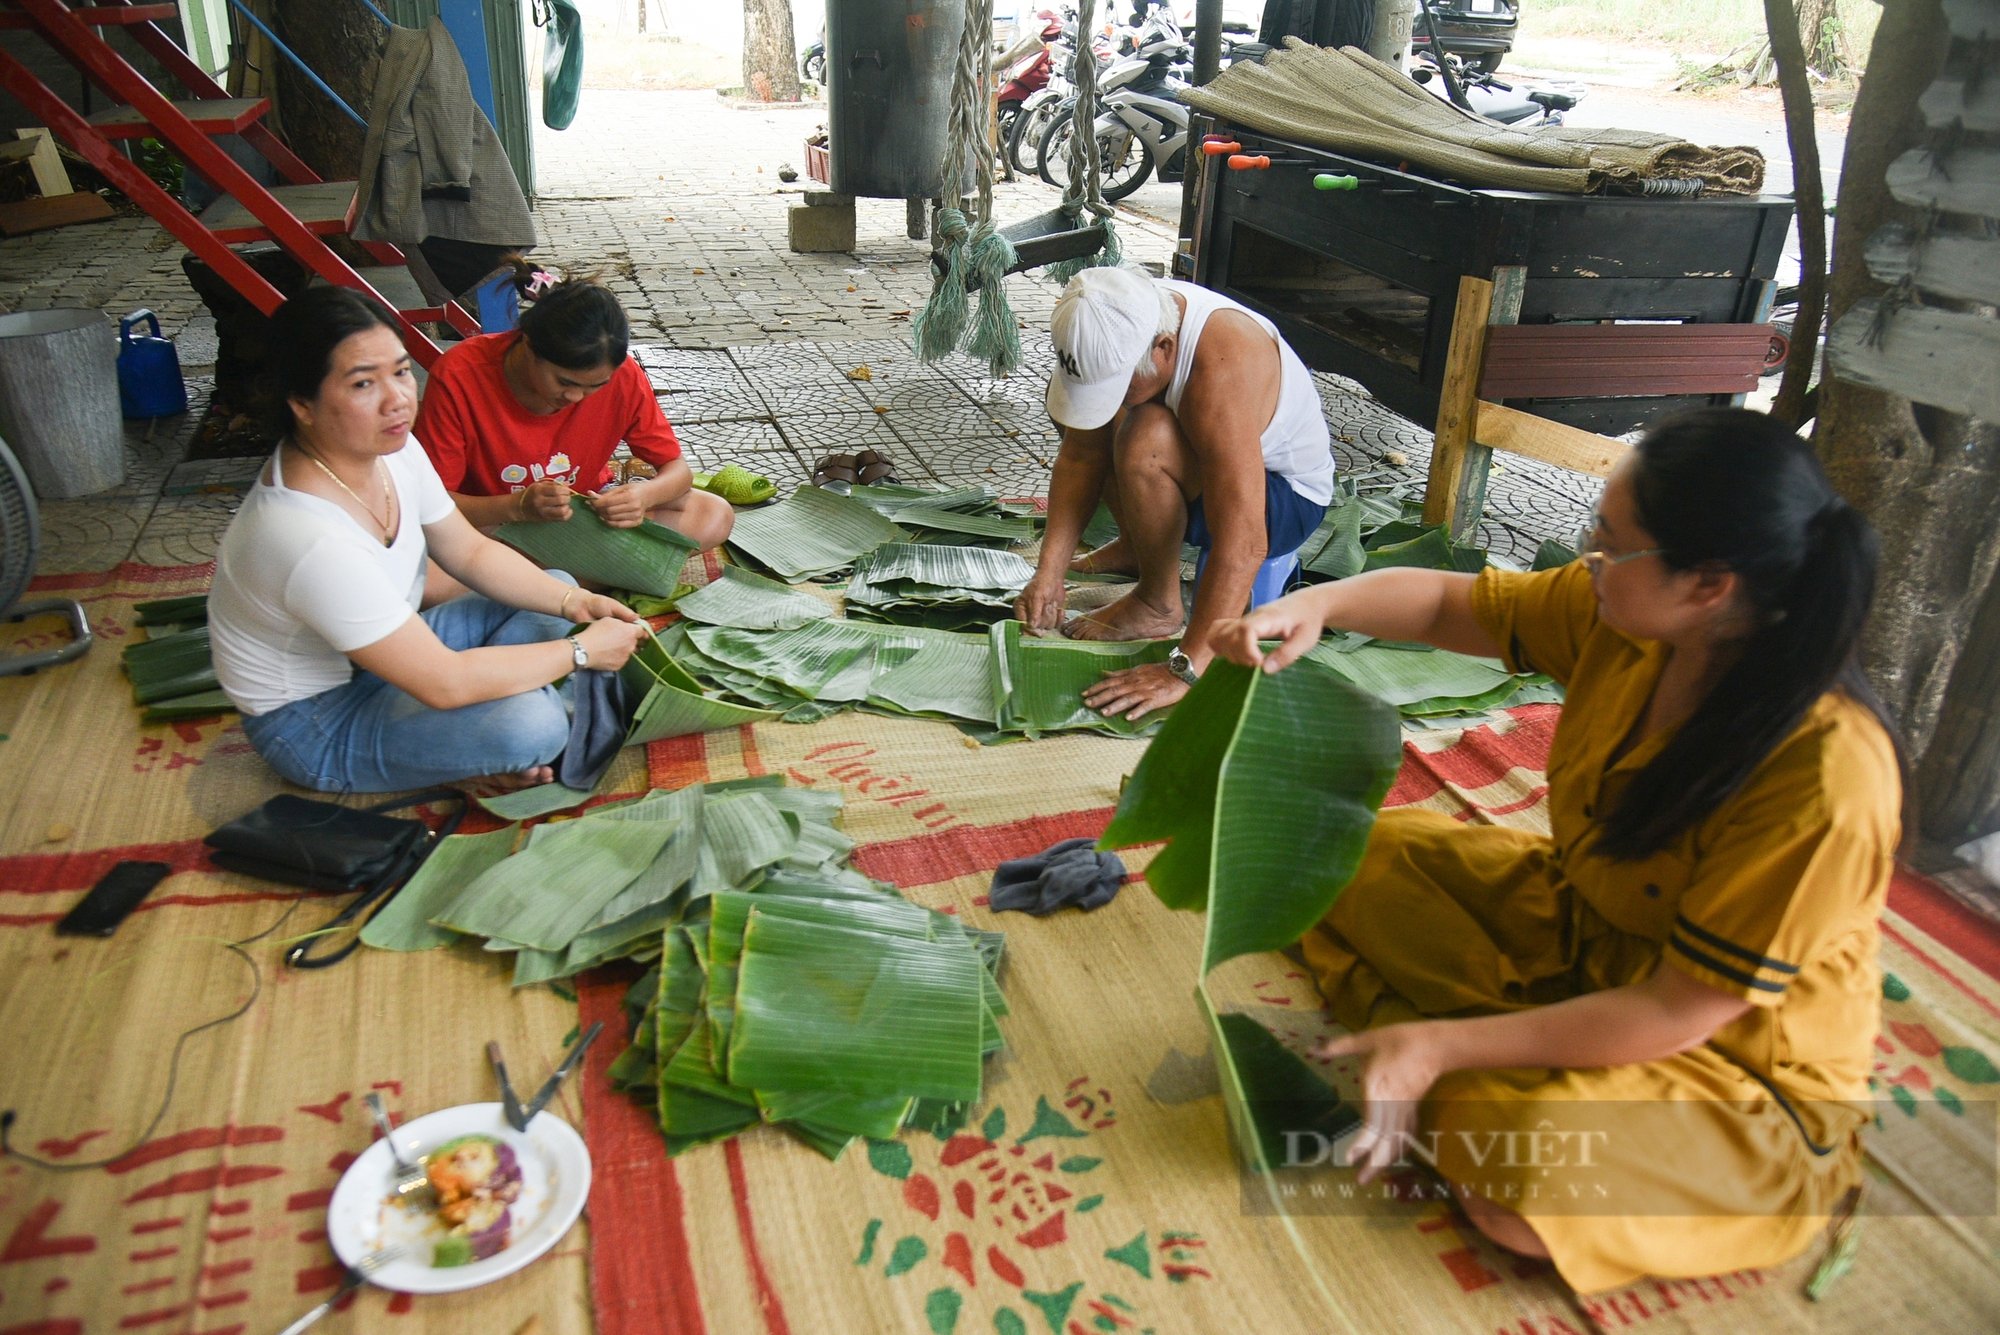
(432, 164)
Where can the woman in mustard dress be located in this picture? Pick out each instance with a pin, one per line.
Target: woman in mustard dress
(1639, 1045)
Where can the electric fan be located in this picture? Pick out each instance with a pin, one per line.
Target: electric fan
(20, 545)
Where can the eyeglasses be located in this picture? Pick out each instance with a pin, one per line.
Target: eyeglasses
(1597, 562)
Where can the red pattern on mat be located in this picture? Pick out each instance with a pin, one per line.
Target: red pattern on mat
(968, 850)
(127, 573)
(746, 1227)
(642, 1280)
(1480, 757)
(1934, 910)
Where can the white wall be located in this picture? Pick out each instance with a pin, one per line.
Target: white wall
(714, 25)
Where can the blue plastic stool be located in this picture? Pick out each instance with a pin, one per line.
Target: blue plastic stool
(1272, 577)
(499, 303)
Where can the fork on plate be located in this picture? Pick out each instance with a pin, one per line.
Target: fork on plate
(409, 1177)
(364, 1270)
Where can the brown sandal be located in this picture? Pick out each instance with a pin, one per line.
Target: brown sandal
(835, 468)
(864, 469)
(874, 468)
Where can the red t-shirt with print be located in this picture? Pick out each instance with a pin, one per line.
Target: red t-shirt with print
(484, 443)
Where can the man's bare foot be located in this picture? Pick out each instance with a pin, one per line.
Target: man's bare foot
(1113, 558)
(1127, 619)
(492, 785)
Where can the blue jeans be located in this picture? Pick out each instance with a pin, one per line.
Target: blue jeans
(371, 737)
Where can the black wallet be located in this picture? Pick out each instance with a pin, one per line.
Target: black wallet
(328, 847)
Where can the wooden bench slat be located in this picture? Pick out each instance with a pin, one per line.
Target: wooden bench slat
(1600, 361)
(1502, 428)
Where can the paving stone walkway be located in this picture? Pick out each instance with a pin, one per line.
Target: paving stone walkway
(674, 202)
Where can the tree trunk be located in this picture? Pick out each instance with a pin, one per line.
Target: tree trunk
(1810, 193)
(1929, 480)
(342, 42)
(770, 52)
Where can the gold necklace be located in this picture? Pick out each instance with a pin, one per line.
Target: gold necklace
(388, 498)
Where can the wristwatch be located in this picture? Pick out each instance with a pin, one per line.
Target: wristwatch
(581, 654)
(1182, 666)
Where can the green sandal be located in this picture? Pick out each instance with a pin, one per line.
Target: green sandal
(737, 485)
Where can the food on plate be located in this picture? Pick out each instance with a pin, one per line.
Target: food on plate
(476, 1178)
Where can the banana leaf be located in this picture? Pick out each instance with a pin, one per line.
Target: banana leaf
(950, 679)
(165, 669)
(528, 803)
(620, 939)
(172, 611)
(1433, 550)
(1552, 555)
(201, 704)
(1038, 684)
(1399, 678)
(533, 966)
(1339, 553)
(1102, 528)
(674, 866)
(879, 1118)
(903, 570)
(750, 602)
(404, 923)
(747, 834)
(1265, 786)
(864, 1013)
(646, 559)
(695, 1108)
(1268, 1090)
(980, 526)
(813, 532)
(830, 1143)
(1396, 532)
(547, 893)
(886, 498)
(672, 704)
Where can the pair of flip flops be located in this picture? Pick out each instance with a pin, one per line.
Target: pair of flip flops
(737, 485)
(864, 469)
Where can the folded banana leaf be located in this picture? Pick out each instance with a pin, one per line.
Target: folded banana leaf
(1335, 550)
(172, 611)
(404, 923)
(948, 679)
(528, 803)
(550, 891)
(1002, 527)
(750, 602)
(672, 703)
(202, 704)
(899, 571)
(1038, 684)
(1433, 550)
(1268, 1090)
(1552, 555)
(864, 1013)
(646, 559)
(165, 669)
(845, 1115)
(1265, 787)
(827, 661)
(813, 532)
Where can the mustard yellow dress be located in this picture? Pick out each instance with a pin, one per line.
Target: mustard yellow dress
(1732, 1155)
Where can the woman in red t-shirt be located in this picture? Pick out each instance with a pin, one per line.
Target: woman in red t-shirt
(517, 422)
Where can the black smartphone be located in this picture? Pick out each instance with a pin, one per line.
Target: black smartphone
(113, 898)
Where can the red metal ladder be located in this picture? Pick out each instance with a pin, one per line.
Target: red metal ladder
(296, 215)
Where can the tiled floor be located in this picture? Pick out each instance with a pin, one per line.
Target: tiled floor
(752, 347)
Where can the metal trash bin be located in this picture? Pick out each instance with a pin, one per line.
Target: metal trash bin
(59, 400)
(889, 73)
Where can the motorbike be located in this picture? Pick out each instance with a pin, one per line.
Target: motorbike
(1142, 126)
(812, 65)
(1026, 78)
(1487, 96)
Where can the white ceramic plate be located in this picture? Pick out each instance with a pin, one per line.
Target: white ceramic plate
(555, 1180)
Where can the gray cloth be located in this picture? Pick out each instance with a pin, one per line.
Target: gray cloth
(432, 164)
(1071, 872)
(597, 728)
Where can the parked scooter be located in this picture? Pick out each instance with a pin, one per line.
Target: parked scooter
(1142, 126)
(1027, 78)
(812, 65)
(1487, 96)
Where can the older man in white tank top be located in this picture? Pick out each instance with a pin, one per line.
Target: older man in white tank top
(1191, 418)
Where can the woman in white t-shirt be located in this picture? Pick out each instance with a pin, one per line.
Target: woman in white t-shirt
(345, 681)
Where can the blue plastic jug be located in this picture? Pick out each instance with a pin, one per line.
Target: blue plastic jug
(149, 370)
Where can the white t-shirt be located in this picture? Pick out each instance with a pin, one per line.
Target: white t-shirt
(299, 583)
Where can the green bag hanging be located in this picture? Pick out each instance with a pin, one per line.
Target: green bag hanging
(562, 64)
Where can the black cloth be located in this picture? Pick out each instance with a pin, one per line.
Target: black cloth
(1333, 23)
(596, 728)
(1071, 872)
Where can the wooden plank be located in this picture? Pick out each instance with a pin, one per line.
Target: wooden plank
(1533, 437)
(220, 115)
(1970, 183)
(51, 176)
(1603, 361)
(1973, 19)
(1510, 281)
(321, 206)
(1943, 358)
(1944, 102)
(1454, 429)
(1949, 264)
(35, 215)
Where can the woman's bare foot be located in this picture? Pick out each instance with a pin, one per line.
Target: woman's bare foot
(1113, 558)
(492, 785)
(1129, 618)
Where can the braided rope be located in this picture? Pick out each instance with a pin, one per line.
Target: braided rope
(1084, 188)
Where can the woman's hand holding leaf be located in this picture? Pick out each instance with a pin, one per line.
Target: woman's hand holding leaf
(1399, 1064)
(1294, 620)
(596, 606)
(610, 641)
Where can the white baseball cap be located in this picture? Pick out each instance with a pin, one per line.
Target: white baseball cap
(1103, 323)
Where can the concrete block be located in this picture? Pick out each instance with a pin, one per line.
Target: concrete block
(826, 199)
(814, 230)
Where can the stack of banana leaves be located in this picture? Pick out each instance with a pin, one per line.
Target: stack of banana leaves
(960, 516)
(172, 676)
(945, 588)
(1370, 526)
(998, 684)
